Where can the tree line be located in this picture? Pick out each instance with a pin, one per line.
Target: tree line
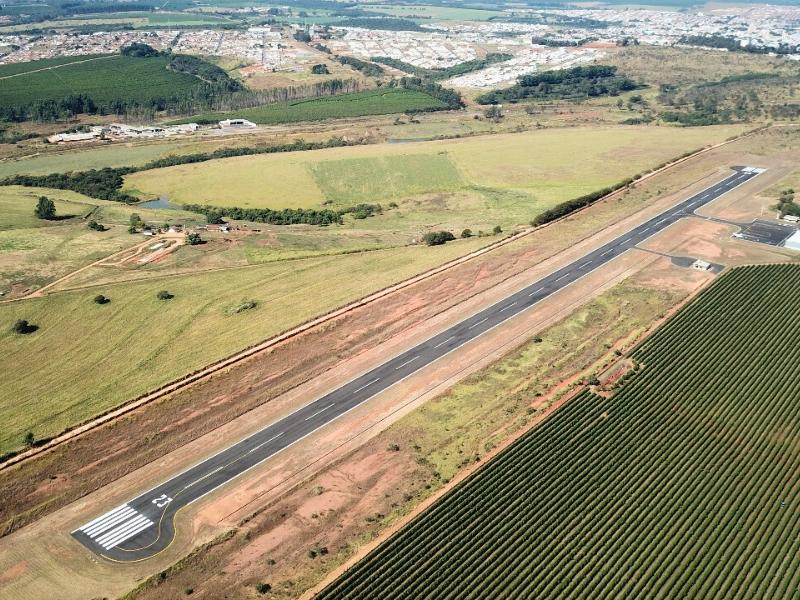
(446, 72)
(286, 216)
(563, 84)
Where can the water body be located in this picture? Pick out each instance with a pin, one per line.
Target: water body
(162, 202)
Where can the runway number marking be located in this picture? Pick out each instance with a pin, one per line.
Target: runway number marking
(162, 501)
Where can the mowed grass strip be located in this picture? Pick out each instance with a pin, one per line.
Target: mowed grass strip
(354, 180)
(684, 484)
(382, 101)
(86, 358)
(105, 79)
(549, 166)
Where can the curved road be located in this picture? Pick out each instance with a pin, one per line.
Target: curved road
(144, 525)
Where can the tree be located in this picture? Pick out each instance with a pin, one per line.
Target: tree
(45, 208)
(136, 220)
(497, 229)
(466, 233)
(320, 69)
(437, 238)
(164, 295)
(94, 225)
(22, 327)
(101, 299)
(30, 440)
(193, 239)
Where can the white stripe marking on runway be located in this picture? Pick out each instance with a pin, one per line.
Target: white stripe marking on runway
(588, 262)
(122, 529)
(110, 522)
(409, 361)
(324, 409)
(507, 306)
(101, 517)
(562, 277)
(367, 385)
(609, 251)
(128, 536)
(444, 342)
(536, 292)
(129, 532)
(272, 439)
(478, 323)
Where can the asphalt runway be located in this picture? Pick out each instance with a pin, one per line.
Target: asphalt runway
(144, 525)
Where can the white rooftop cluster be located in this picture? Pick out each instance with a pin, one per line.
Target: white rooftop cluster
(421, 49)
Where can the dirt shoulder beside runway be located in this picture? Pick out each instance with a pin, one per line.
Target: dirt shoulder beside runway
(76, 468)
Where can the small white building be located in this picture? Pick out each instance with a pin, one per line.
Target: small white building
(238, 123)
(793, 242)
(701, 265)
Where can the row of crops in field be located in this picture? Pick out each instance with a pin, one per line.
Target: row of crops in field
(106, 79)
(358, 104)
(684, 484)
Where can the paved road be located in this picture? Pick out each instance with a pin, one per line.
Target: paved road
(145, 525)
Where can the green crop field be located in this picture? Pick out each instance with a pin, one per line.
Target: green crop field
(358, 104)
(45, 63)
(684, 484)
(104, 79)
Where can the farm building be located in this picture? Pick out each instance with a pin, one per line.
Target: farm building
(701, 265)
(793, 241)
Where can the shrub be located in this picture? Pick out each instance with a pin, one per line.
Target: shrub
(22, 327)
(497, 229)
(95, 226)
(164, 295)
(466, 233)
(320, 69)
(100, 299)
(30, 440)
(193, 239)
(437, 238)
(263, 588)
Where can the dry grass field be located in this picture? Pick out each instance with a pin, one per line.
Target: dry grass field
(101, 355)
